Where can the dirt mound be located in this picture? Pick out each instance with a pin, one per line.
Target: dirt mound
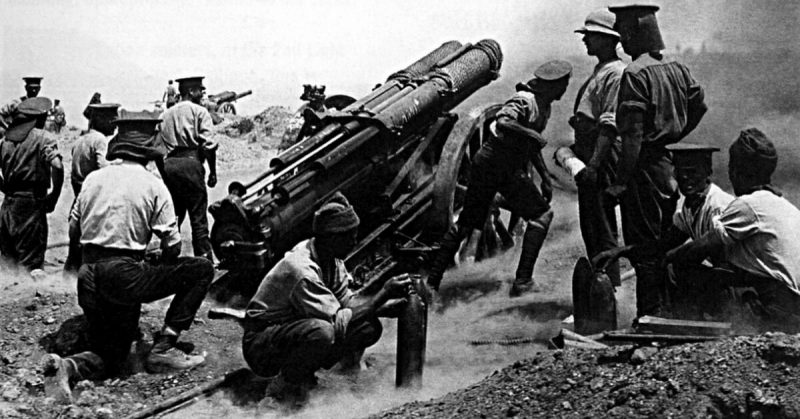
(246, 139)
(749, 377)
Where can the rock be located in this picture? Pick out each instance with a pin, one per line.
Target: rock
(49, 320)
(566, 405)
(640, 355)
(10, 391)
(512, 411)
(104, 413)
(782, 348)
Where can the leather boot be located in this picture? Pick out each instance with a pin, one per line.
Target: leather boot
(532, 243)
(444, 256)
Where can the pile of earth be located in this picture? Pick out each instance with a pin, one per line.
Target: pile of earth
(746, 377)
(244, 140)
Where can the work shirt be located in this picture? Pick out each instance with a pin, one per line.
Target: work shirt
(26, 164)
(170, 94)
(185, 126)
(88, 155)
(523, 108)
(298, 288)
(595, 106)
(696, 223)
(121, 205)
(761, 234)
(597, 98)
(664, 92)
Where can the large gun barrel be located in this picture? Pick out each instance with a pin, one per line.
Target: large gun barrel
(395, 131)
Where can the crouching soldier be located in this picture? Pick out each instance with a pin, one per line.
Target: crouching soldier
(118, 210)
(702, 201)
(304, 317)
(757, 233)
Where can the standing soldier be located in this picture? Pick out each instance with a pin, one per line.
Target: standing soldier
(501, 165)
(119, 209)
(170, 95)
(32, 87)
(596, 141)
(185, 134)
(59, 117)
(30, 164)
(88, 155)
(659, 103)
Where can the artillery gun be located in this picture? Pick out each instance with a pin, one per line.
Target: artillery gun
(399, 154)
(223, 102)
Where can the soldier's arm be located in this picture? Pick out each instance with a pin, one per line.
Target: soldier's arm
(209, 145)
(52, 156)
(509, 125)
(632, 138)
(696, 108)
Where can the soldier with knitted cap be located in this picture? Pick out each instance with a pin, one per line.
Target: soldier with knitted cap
(757, 233)
(659, 103)
(501, 165)
(32, 176)
(304, 316)
(119, 209)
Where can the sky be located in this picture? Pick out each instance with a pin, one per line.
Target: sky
(127, 50)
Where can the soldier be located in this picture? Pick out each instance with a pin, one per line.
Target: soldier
(30, 164)
(757, 233)
(170, 95)
(32, 87)
(59, 117)
(88, 155)
(185, 134)
(659, 103)
(596, 140)
(703, 200)
(304, 317)
(501, 165)
(118, 210)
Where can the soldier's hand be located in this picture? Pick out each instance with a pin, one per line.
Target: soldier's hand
(391, 308)
(616, 191)
(547, 191)
(587, 176)
(212, 180)
(397, 286)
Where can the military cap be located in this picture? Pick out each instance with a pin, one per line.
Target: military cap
(33, 81)
(599, 21)
(634, 8)
(104, 108)
(135, 139)
(187, 83)
(35, 106)
(553, 70)
(688, 155)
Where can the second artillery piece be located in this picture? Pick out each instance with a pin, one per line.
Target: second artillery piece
(223, 102)
(399, 154)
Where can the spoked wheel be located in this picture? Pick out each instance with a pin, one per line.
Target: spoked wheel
(452, 173)
(227, 108)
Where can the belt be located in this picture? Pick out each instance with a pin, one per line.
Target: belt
(191, 153)
(25, 190)
(93, 253)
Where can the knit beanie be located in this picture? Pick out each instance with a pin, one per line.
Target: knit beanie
(335, 216)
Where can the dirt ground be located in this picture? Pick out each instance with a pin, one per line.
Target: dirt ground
(744, 377)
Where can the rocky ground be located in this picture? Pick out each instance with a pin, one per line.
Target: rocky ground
(735, 377)
(743, 377)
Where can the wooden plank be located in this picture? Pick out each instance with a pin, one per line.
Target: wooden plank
(651, 324)
(656, 337)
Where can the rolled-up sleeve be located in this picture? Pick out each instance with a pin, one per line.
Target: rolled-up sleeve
(163, 221)
(204, 126)
(737, 222)
(632, 99)
(608, 94)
